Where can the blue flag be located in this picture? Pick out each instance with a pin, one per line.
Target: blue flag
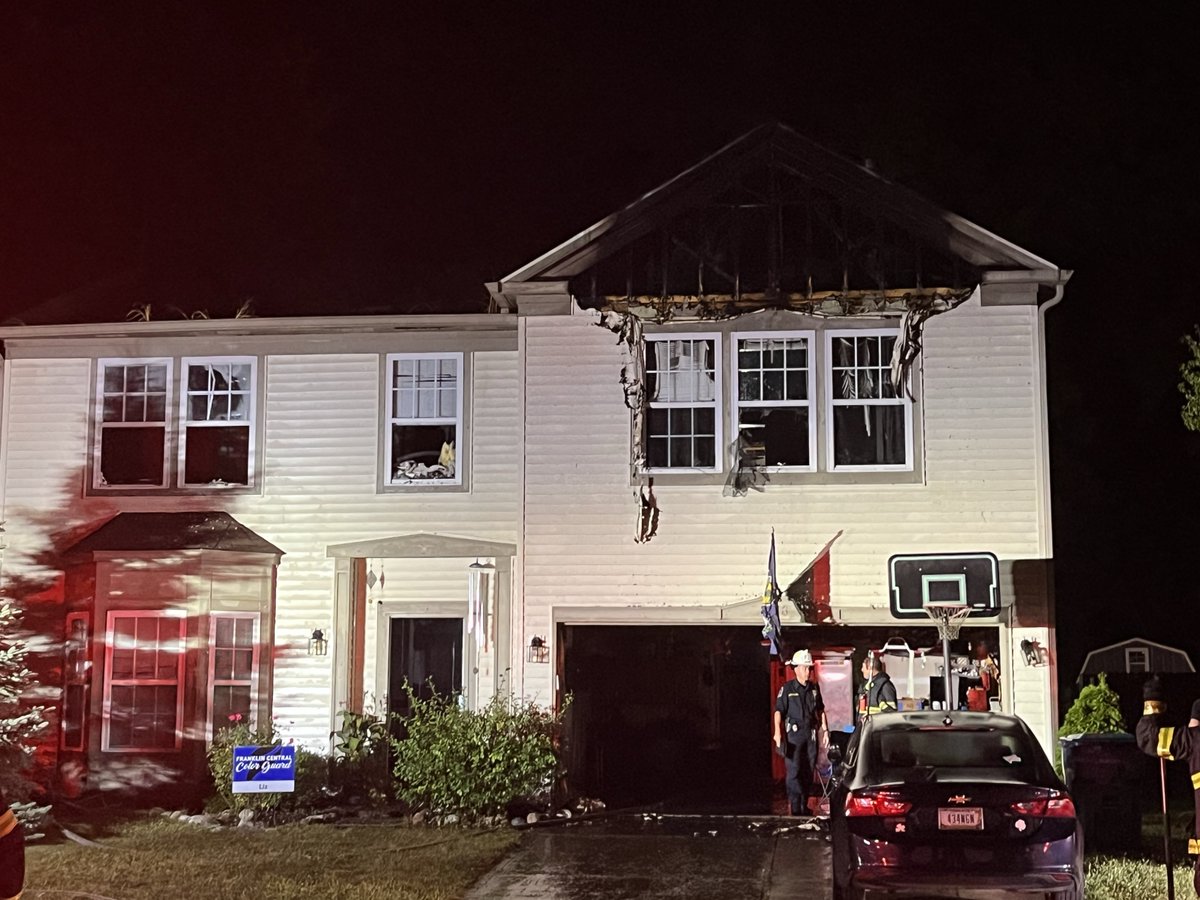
(770, 603)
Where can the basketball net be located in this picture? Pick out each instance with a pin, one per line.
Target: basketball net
(949, 619)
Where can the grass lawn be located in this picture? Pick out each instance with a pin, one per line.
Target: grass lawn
(157, 859)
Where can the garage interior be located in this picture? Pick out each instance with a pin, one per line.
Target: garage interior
(678, 717)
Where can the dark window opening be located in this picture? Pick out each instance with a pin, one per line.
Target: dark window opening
(132, 456)
(217, 455)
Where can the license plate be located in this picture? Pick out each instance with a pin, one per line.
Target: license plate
(969, 818)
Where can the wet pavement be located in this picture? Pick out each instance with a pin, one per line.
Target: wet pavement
(651, 855)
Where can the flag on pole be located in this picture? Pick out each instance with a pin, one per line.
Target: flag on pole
(770, 603)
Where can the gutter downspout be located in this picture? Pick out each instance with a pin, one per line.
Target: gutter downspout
(1045, 526)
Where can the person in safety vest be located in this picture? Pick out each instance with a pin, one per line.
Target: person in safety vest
(1157, 738)
(12, 854)
(877, 694)
(799, 716)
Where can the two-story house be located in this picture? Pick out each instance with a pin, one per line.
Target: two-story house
(573, 493)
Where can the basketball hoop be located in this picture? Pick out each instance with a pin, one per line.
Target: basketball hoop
(949, 619)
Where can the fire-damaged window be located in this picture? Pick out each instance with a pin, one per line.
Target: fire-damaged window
(683, 403)
(145, 439)
(143, 681)
(131, 440)
(773, 405)
(424, 418)
(218, 412)
(869, 425)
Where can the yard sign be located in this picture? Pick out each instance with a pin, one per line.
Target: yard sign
(264, 769)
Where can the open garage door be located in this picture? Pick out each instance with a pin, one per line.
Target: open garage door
(669, 713)
(681, 714)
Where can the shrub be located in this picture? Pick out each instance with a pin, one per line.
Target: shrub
(360, 755)
(474, 763)
(1097, 710)
(239, 733)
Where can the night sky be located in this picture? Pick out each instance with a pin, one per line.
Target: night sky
(368, 157)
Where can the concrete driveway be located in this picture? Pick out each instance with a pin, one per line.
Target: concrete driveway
(694, 857)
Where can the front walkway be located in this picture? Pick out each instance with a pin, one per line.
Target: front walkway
(649, 855)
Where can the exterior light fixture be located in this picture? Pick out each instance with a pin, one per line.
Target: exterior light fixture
(317, 644)
(538, 652)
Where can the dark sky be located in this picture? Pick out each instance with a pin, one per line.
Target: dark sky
(373, 157)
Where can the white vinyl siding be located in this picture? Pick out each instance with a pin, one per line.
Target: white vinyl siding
(143, 681)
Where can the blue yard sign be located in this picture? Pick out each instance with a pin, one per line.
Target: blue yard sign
(264, 769)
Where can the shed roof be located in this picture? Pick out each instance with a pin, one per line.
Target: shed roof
(192, 530)
(1133, 642)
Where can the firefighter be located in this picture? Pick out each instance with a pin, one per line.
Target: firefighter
(1157, 738)
(877, 694)
(12, 854)
(799, 717)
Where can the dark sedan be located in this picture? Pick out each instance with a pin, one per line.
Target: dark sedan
(958, 804)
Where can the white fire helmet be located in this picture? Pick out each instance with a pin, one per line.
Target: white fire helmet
(801, 658)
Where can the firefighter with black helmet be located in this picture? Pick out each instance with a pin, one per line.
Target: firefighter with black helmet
(1158, 738)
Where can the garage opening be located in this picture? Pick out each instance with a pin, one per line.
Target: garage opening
(680, 715)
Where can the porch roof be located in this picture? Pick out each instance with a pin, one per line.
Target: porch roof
(191, 530)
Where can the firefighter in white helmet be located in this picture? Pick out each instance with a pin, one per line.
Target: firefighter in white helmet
(799, 716)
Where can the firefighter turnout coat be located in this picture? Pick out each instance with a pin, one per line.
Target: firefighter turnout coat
(1158, 738)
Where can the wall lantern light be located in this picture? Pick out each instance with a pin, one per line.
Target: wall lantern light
(317, 644)
(538, 651)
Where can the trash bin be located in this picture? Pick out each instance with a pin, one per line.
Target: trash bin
(1104, 773)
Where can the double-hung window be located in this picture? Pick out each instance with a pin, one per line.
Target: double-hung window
(143, 683)
(869, 425)
(773, 406)
(233, 669)
(423, 443)
(682, 426)
(1137, 659)
(145, 438)
(216, 422)
(131, 443)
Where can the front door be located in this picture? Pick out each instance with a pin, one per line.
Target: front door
(428, 653)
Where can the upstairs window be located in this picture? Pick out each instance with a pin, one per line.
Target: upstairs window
(218, 409)
(424, 418)
(773, 406)
(145, 438)
(682, 422)
(132, 423)
(143, 684)
(869, 426)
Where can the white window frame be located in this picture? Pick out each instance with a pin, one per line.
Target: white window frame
(831, 404)
(1141, 655)
(390, 420)
(110, 632)
(717, 404)
(735, 393)
(82, 678)
(98, 482)
(213, 682)
(183, 423)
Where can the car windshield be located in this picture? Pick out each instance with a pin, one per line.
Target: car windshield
(954, 748)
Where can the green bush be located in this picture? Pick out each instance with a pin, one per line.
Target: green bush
(360, 756)
(1097, 710)
(310, 767)
(474, 762)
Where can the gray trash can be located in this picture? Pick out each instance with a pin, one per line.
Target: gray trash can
(1105, 773)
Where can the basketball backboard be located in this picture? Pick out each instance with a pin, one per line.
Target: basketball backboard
(917, 580)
